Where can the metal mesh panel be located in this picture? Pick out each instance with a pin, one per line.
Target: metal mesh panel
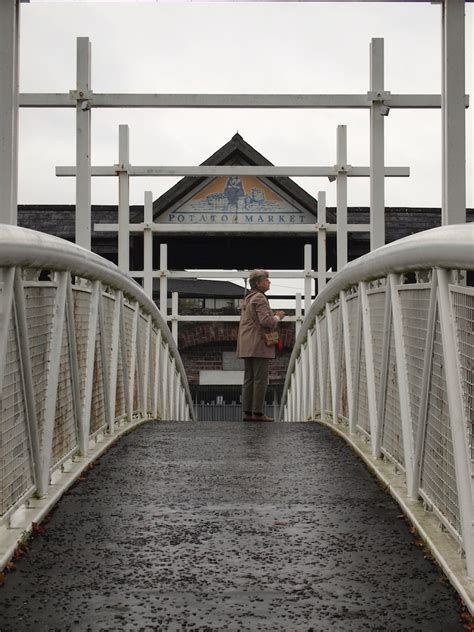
(119, 393)
(128, 315)
(343, 396)
(317, 400)
(65, 433)
(438, 480)
(353, 317)
(335, 314)
(392, 439)
(414, 303)
(82, 300)
(16, 477)
(363, 401)
(151, 372)
(136, 391)
(463, 305)
(324, 358)
(98, 416)
(108, 305)
(141, 349)
(39, 313)
(377, 311)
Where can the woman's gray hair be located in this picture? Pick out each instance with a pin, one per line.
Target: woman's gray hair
(257, 275)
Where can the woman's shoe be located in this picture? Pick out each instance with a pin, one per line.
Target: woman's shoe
(262, 418)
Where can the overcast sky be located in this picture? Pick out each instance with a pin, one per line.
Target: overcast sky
(249, 47)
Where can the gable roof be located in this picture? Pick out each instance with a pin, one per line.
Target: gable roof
(238, 152)
(202, 288)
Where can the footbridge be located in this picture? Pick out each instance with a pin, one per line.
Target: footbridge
(236, 526)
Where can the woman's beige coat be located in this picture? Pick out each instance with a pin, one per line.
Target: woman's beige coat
(256, 319)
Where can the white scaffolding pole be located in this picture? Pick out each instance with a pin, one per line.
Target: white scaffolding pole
(83, 144)
(9, 52)
(453, 113)
(124, 200)
(341, 196)
(322, 229)
(377, 144)
(164, 279)
(308, 256)
(148, 245)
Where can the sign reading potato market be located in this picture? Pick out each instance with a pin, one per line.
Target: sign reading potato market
(237, 200)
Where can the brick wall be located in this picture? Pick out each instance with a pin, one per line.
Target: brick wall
(201, 347)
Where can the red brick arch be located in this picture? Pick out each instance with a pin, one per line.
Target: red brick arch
(193, 335)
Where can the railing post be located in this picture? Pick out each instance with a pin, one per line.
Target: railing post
(89, 364)
(311, 372)
(403, 390)
(124, 354)
(74, 362)
(165, 374)
(156, 392)
(133, 355)
(27, 376)
(52, 378)
(356, 384)
(321, 369)
(105, 362)
(457, 418)
(146, 367)
(369, 363)
(381, 395)
(332, 361)
(114, 351)
(425, 384)
(347, 353)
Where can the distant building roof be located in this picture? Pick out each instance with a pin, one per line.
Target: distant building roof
(197, 288)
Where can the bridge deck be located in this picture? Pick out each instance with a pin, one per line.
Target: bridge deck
(233, 526)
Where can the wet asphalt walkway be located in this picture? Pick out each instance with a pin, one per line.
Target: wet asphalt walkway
(227, 526)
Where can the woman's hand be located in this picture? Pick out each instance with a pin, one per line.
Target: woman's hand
(280, 313)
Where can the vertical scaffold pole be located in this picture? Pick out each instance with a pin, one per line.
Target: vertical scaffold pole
(453, 113)
(83, 144)
(321, 240)
(9, 62)
(341, 196)
(377, 145)
(174, 316)
(148, 245)
(164, 279)
(124, 200)
(308, 256)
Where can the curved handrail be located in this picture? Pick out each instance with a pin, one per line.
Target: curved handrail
(22, 247)
(450, 247)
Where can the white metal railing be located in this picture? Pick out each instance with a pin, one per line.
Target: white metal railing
(83, 353)
(386, 355)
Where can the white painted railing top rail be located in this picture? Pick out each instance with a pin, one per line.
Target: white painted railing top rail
(84, 353)
(386, 356)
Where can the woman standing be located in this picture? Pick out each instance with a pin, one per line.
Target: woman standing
(256, 320)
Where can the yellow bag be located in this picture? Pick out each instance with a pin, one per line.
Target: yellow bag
(271, 338)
